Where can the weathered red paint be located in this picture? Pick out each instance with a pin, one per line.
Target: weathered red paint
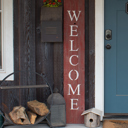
(74, 116)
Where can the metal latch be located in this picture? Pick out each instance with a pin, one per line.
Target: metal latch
(108, 34)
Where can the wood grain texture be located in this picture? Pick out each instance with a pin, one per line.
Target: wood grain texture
(58, 66)
(9, 98)
(16, 53)
(51, 14)
(49, 60)
(27, 48)
(38, 107)
(74, 116)
(92, 120)
(86, 54)
(30, 45)
(45, 67)
(39, 50)
(24, 55)
(91, 53)
(44, 58)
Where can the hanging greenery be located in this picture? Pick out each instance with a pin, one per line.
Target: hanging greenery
(52, 3)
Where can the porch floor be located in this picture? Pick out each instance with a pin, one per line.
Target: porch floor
(46, 126)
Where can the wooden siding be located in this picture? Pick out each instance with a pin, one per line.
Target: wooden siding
(89, 54)
(45, 58)
(49, 59)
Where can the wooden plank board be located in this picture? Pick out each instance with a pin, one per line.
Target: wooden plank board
(58, 66)
(23, 86)
(44, 58)
(86, 54)
(74, 59)
(11, 98)
(24, 48)
(27, 49)
(39, 51)
(91, 54)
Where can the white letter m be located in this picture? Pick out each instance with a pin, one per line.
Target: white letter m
(77, 88)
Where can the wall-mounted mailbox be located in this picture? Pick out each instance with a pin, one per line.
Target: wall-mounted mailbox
(51, 24)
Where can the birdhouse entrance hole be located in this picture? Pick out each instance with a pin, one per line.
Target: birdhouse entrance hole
(91, 120)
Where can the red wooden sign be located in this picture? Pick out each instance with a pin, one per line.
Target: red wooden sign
(74, 59)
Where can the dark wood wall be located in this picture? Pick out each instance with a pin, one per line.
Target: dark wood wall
(31, 55)
(49, 58)
(89, 54)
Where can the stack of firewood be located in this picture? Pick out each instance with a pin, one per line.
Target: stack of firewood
(20, 116)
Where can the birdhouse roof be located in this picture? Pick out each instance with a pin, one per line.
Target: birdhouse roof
(92, 110)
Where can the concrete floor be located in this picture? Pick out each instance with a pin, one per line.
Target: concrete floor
(46, 126)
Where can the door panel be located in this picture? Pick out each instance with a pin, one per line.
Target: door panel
(122, 53)
(116, 58)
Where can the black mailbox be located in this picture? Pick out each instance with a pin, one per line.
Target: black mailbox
(51, 24)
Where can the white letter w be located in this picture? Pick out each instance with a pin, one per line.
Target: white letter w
(74, 15)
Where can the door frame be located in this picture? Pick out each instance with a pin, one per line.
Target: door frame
(99, 55)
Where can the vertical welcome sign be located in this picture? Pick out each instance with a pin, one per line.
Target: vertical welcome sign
(74, 59)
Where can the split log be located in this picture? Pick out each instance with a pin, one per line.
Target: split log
(19, 116)
(26, 120)
(38, 107)
(32, 117)
(16, 113)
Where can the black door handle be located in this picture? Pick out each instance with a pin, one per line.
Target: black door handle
(108, 46)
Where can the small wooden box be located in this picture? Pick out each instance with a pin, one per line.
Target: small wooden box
(92, 118)
(51, 24)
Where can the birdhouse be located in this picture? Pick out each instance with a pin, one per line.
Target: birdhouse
(51, 24)
(92, 117)
(57, 105)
